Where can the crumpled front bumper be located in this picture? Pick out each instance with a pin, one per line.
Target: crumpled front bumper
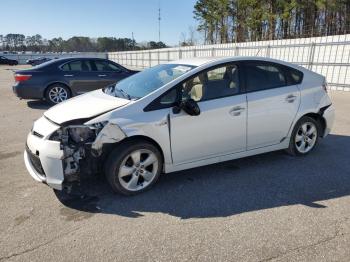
(43, 158)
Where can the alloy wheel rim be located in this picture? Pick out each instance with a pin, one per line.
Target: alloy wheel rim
(58, 94)
(305, 137)
(138, 169)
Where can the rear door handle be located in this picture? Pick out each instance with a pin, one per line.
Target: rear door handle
(291, 98)
(68, 75)
(102, 75)
(236, 111)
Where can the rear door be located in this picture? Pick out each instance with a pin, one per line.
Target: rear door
(273, 102)
(107, 72)
(79, 75)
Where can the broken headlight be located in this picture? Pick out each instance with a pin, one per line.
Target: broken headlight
(81, 134)
(78, 133)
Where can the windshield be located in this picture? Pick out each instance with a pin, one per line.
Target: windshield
(147, 81)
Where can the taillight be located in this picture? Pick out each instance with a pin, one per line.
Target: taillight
(21, 78)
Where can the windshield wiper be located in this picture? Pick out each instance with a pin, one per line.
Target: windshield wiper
(125, 94)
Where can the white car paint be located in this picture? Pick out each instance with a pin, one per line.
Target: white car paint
(263, 122)
(84, 106)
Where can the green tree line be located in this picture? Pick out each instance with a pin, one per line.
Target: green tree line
(36, 43)
(223, 21)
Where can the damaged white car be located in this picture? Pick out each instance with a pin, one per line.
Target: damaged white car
(176, 116)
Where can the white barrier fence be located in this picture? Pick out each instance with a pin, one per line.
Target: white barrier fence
(22, 58)
(329, 55)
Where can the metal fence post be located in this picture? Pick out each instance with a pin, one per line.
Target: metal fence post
(311, 55)
(268, 51)
(213, 51)
(168, 55)
(149, 59)
(194, 52)
(180, 53)
(237, 50)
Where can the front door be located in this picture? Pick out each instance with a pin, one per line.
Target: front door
(79, 75)
(221, 126)
(107, 73)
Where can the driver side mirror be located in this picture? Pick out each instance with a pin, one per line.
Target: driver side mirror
(190, 106)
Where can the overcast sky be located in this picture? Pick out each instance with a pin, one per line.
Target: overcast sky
(94, 18)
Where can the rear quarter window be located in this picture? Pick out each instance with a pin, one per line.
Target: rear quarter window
(296, 77)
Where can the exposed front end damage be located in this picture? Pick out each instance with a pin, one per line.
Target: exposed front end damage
(84, 149)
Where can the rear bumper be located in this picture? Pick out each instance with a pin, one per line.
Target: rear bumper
(329, 116)
(27, 92)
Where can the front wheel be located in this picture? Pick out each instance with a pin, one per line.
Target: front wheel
(133, 167)
(304, 137)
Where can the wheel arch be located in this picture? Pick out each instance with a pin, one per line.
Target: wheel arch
(57, 82)
(316, 116)
(138, 138)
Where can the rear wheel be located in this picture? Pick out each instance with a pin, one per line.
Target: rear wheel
(57, 93)
(133, 167)
(304, 136)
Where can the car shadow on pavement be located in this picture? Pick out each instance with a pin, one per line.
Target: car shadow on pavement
(254, 183)
(38, 104)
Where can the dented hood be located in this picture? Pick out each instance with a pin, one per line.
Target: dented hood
(84, 106)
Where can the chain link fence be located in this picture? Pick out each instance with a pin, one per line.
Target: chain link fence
(329, 55)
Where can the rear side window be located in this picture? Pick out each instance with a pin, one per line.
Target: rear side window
(79, 65)
(262, 75)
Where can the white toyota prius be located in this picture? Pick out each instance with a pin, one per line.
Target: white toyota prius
(179, 115)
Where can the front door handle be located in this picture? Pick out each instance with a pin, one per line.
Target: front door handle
(291, 98)
(68, 75)
(236, 111)
(102, 75)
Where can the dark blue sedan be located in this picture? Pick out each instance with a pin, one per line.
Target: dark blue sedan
(57, 80)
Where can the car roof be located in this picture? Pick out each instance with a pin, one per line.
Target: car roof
(199, 61)
(79, 57)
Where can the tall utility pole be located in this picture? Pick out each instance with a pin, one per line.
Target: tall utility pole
(133, 41)
(159, 18)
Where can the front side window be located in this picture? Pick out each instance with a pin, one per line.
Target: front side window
(106, 66)
(211, 84)
(147, 81)
(261, 76)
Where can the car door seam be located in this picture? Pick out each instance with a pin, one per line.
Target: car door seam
(170, 142)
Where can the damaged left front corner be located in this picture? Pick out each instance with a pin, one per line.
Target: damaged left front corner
(111, 133)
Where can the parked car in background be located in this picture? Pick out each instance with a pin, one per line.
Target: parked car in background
(37, 61)
(7, 61)
(59, 79)
(180, 115)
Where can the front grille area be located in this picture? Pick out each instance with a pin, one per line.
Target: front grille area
(35, 161)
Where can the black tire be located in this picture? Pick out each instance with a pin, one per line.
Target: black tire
(117, 157)
(61, 87)
(293, 144)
